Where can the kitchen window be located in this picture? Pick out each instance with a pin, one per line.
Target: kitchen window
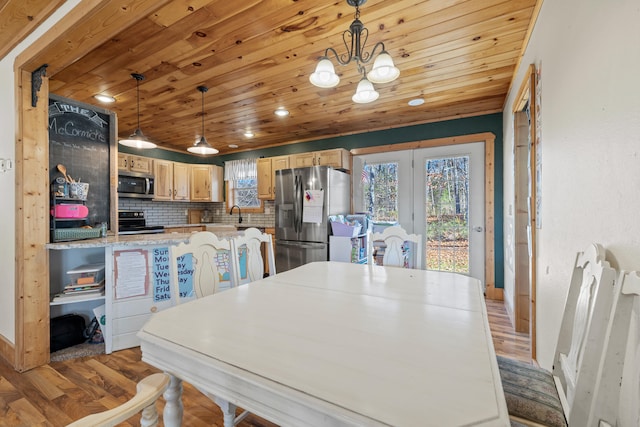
(242, 185)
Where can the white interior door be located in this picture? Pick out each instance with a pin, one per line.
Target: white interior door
(401, 186)
(448, 204)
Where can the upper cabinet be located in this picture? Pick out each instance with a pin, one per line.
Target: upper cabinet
(163, 174)
(133, 163)
(206, 183)
(338, 158)
(180, 181)
(171, 180)
(267, 168)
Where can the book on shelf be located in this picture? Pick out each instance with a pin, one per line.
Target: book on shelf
(80, 288)
(77, 296)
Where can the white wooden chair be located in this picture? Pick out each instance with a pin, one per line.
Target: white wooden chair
(617, 391)
(566, 395)
(394, 238)
(253, 239)
(148, 391)
(204, 247)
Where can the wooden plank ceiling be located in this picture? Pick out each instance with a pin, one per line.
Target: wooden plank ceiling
(256, 56)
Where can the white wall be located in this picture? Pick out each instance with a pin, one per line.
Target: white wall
(7, 179)
(590, 61)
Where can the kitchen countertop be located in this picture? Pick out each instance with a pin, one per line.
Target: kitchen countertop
(134, 240)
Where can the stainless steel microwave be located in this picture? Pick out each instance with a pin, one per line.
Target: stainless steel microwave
(131, 184)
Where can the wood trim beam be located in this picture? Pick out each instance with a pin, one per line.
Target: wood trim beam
(32, 227)
(85, 28)
(18, 20)
(489, 164)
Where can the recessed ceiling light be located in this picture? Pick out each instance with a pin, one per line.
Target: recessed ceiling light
(233, 146)
(249, 134)
(415, 102)
(104, 98)
(281, 112)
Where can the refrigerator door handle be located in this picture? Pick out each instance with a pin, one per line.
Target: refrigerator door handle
(301, 245)
(295, 203)
(298, 204)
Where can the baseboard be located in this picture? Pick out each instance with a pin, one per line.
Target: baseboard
(8, 351)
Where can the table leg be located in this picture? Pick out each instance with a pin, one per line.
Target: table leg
(172, 414)
(228, 411)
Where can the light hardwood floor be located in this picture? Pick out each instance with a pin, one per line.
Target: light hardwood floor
(61, 392)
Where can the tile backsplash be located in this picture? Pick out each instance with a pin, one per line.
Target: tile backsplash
(175, 213)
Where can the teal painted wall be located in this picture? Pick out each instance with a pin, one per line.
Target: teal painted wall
(487, 123)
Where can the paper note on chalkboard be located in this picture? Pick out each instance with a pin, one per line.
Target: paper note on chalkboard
(312, 204)
(131, 273)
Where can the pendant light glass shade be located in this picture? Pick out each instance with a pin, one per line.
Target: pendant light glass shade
(365, 92)
(383, 71)
(202, 146)
(324, 76)
(137, 138)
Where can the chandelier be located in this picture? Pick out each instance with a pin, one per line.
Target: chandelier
(355, 38)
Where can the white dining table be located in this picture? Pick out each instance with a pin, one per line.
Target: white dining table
(336, 344)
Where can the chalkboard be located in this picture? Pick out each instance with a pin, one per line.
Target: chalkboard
(80, 139)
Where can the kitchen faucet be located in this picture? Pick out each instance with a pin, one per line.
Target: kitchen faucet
(239, 213)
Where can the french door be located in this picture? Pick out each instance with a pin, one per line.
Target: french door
(437, 192)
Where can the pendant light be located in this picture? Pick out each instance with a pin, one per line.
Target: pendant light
(137, 139)
(202, 146)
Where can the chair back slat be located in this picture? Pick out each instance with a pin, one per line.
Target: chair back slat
(617, 391)
(252, 241)
(394, 238)
(203, 247)
(583, 328)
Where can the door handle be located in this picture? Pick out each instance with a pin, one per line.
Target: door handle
(478, 229)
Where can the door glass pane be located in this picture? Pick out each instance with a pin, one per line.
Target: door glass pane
(447, 213)
(380, 191)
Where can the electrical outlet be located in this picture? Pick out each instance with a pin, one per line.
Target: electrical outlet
(267, 210)
(186, 211)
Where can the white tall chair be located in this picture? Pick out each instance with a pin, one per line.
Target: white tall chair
(204, 247)
(394, 238)
(589, 354)
(252, 239)
(148, 391)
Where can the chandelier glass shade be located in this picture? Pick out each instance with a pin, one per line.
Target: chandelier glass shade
(355, 38)
(202, 146)
(137, 138)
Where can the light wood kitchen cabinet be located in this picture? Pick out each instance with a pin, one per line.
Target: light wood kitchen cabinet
(133, 163)
(267, 168)
(171, 180)
(180, 181)
(337, 158)
(206, 183)
(163, 173)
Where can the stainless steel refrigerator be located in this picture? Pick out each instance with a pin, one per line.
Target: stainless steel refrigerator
(305, 197)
